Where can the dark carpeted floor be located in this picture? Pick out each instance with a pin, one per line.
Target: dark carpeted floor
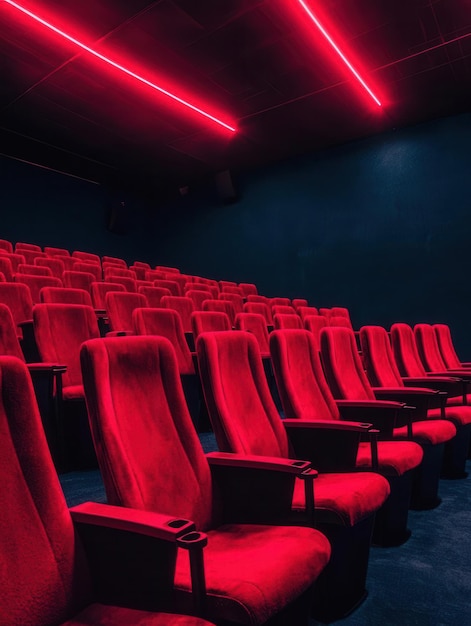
(425, 582)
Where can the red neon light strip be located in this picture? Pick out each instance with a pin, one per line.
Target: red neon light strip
(118, 66)
(339, 52)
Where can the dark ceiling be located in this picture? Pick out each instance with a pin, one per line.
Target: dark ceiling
(259, 64)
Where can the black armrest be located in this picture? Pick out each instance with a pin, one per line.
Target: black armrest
(258, 489)
(132, 553)
(382, 414)
(451, 385)
(331, 446)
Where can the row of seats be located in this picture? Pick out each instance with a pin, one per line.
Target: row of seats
(323, 465)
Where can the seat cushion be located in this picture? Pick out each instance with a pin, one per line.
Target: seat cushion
(73, 392)
(459, 415)
(345, 498)
(103, 615)
(428, 432)
(245, 573)
(394, 457)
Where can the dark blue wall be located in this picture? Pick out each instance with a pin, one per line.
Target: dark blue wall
(382, 226)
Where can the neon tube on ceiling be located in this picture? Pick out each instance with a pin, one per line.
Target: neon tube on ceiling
(118, 66)
(338, 51)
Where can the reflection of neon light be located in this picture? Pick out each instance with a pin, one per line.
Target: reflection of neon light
(338, 51)
(123, 69)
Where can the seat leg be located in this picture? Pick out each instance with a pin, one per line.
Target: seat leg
(391, 520)
(427, 478)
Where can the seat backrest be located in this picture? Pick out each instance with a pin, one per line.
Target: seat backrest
(198, 296)
(305, 311)
(99, 291)
(15, 259)
(43, 575)
(129, 284)
(55, 264)
(298, 302)
(240, 405)
(167, 269)
(287, 320)
(428, 348)
(110, 271)
(378, 357)
(280, 302)
(32, 247)
(261, 308)
(120, 307)
(183, 306)
(248, 289)
(236, 300)
(447, 349)
(142, 264)
(65, 295)
(154, 295)
(114, 260)
(51, 251)
(148, 450)
(405, 351)
(342, 365)
(36, 283)
(165, 323)
(258, 298)
(209, 321)
(60, 330)
(6, 245)
(227, 283)
(224, 306)
(17, 297)
(90, 268)
(282, 309)
(232, 289)
(78, 280)
(33, 270)
(301, 382)
(9, 343)
(87, 256)
(314, 324)
(254, 323)
(6, 268)
(340, 320)
(173, 286)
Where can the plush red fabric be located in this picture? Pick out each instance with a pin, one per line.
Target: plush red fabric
(183, 306)
(151, 459)
(287, 320)
(447, 349)
(129, 284)
(55, 264)
(429, 351)
(51, 251)
(232, 289)
(171, 285)
(9, 344)
(314, 324)
(205, 321)
(256, 324)
(6, 268)
(405, 351)
(248, 422)
(34, 270)
(120, 307)
(110, 271)
(154, 295)
(261, 308)
(36, 283)
(60, 329)
(167, 269)
(99, 291)
(305, 311)
(236, 300)
(165, 323)
(15, 260)
(6, 245)
(33, 247)
(90, 268)
(65, 295)
(78, 280)
(248, 289)
(282, 309)
(86, 256)
(280, 302)
(299, 302)
(258, 298)
(305, 394)
(17, 296)
(198, 296)
(114, 260)
(223, 306)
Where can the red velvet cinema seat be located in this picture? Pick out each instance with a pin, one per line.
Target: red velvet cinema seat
(382, 372)
(223, 306)
(430, 355)
(60, 330)
(206, 321)
(260, 308)
(256, 324)
(413, 371)
(65, 295)
(245, 421)
(183, 306)
(120, 307)
(447, 348)
(64, 567)
(305, 395)
(358, 400)
(287, 320)
(167, 323)
(36, 283)
(151, 459)
(153, 295)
